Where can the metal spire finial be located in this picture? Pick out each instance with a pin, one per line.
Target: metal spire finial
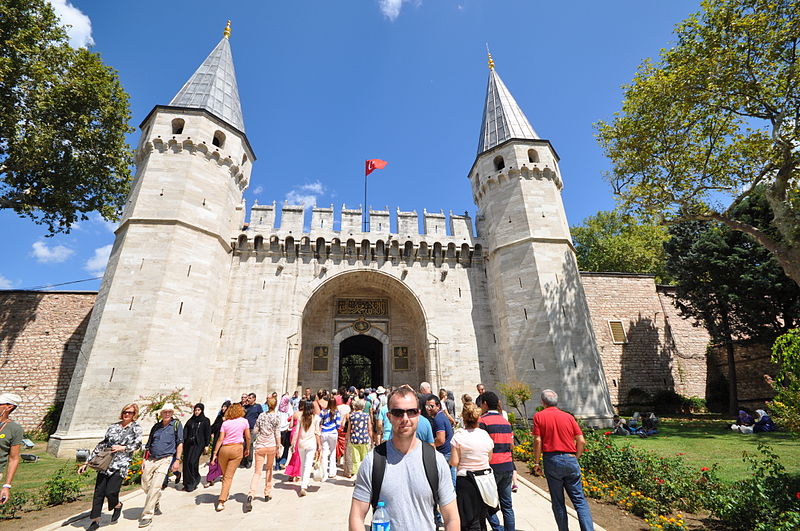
(227, 32)
(491, 61)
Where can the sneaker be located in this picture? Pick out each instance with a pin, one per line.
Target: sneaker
(303, 492)
(116, 514)
(248, 504)
(157, 510)
(145, 523)
(267, 497)
(94, 525)
(220, 507)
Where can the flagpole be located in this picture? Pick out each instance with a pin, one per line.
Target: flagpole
(364, 213)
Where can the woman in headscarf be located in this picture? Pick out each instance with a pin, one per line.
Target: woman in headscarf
(763, 422)
(218, 422)
(196, 435)
(284, 414)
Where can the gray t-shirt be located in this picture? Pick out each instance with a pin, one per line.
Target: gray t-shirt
(405, 490)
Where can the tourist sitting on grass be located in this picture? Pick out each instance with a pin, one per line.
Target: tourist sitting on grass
(764, 423)
(744, 422)
(619, 427)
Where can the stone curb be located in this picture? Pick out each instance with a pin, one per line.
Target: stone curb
(570, 511)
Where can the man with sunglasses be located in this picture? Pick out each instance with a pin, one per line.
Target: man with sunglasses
(405, 487)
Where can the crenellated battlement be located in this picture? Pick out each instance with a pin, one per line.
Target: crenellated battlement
(211, 154)
(344, 238)
(483, 184)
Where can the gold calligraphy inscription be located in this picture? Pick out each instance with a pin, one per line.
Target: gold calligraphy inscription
(362, 307)
(400, 358)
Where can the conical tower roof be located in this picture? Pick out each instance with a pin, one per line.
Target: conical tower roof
(213, 86)
(502, 117)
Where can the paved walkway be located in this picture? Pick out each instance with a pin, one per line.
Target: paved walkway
(326, 508)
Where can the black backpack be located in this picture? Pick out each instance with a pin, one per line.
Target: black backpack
(379, 468)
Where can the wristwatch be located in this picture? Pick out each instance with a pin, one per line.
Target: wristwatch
(7, 486)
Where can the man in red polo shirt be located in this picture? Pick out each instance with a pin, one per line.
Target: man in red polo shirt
(556, 433)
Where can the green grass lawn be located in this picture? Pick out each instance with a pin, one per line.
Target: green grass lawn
(33, 475)
(707, 441)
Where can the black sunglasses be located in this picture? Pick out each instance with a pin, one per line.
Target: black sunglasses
(397, 412)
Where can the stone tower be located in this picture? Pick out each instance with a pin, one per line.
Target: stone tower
(165, 285)
(541, 320)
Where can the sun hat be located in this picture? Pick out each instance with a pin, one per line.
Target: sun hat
(381, 390)
(10, 398)
(167, 407)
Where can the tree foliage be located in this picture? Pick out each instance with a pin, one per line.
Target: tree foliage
(785, 405)
(732, 285)
(63, 120)
(613, 241)
(717, 116)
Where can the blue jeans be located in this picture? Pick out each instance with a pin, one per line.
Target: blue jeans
(504, 480)
(453, 469)
(564, 473)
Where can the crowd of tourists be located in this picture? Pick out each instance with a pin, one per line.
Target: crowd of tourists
(460, 465)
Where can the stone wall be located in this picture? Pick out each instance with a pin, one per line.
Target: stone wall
(40, 338)
(752, 363)
(660, 351)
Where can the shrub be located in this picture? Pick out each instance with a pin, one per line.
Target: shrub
(516, 395)
(62, 487)
(765, 498)
(637, 395)
(15, 504)
(49, 423)
(152, 404)
(666, 401)
(786, 404)
(694, 404)
(134, 476)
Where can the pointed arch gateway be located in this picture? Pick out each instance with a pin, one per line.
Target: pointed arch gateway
(364, 328)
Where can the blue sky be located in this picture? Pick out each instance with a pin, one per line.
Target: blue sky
(325, 85)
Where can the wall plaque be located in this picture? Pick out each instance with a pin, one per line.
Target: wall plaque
(319, 359)
(362, 307)
(400, 360)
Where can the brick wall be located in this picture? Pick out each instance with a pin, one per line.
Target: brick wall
(662, 350)
(40, 337)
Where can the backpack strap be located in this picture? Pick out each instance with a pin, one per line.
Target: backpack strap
(431, 470)
(378, 470)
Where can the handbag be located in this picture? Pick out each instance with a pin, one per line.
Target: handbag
(101, 459)
(317, 473)
(214, 472)
(487, 486)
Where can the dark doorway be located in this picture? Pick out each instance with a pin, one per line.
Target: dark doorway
(361, 362)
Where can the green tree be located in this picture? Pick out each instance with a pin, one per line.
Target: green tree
(614, 241)
(786, 404)
(732, 285)
(63, 120)
(715, 117)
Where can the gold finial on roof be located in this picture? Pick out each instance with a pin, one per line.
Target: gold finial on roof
(491, 61)
(227, 32)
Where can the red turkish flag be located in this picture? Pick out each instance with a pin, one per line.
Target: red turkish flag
(374, 164)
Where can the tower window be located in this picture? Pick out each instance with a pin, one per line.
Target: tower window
(533, 155)
(499, 163)
(177, 126)
(244, 158)
(219, 139)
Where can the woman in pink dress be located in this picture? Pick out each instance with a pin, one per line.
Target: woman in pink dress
(293, 469)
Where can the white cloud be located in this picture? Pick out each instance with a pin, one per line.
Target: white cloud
(258, 190)
(305, 194)
(390, 8)
(79, 26)
(109, 226)
(5, 283)
(50, 255)
(97, 263)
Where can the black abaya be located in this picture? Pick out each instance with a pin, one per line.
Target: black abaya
(197, 434)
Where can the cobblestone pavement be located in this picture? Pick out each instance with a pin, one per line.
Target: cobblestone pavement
(325, 508)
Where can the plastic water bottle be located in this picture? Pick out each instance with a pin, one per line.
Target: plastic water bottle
(380, 519)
